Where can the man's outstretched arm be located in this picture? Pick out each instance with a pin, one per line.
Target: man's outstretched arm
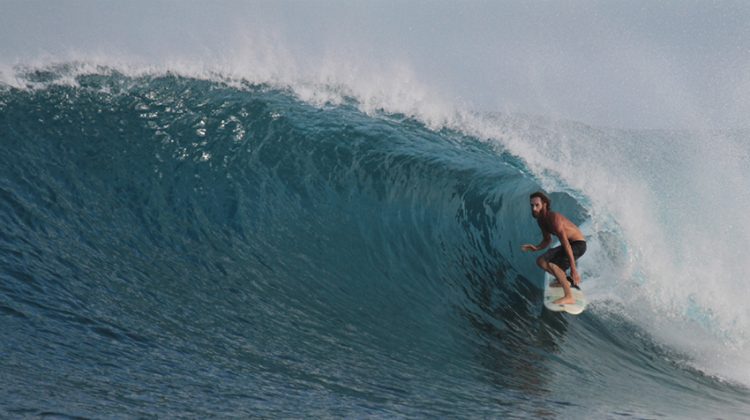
(544, 244)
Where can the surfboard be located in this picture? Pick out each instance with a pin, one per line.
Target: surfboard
(551, 294)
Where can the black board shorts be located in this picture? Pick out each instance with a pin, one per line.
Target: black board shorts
(559, 257)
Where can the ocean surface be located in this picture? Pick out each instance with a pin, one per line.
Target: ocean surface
(203, 246)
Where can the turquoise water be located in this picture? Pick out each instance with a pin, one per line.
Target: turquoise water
(174, 246)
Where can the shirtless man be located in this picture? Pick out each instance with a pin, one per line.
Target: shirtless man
(558, 259)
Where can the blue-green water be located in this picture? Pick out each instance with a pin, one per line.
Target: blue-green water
(177, 247)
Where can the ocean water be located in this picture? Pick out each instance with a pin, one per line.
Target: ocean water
(204, 246)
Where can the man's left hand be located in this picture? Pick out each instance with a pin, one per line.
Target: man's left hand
(576, 277)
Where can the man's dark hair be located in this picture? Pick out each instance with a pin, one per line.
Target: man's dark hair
(542, 196)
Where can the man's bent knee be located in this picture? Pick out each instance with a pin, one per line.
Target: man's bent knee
(541, 262)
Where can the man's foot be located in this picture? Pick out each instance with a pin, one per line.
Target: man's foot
(565, 300)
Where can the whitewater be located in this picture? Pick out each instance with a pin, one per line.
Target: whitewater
(263, 235)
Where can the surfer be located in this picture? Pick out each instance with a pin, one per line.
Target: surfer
(558, 259)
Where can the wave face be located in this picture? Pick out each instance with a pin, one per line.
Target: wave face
(181, 246)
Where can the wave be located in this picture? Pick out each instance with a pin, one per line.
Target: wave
(290, 245)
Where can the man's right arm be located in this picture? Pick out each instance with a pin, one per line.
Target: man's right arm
(544, 244)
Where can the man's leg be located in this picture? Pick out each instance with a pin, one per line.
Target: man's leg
(561, 278)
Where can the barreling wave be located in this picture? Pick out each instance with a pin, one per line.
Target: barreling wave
(183, 245)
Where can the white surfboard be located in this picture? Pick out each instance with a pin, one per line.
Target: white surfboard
(553, 293)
